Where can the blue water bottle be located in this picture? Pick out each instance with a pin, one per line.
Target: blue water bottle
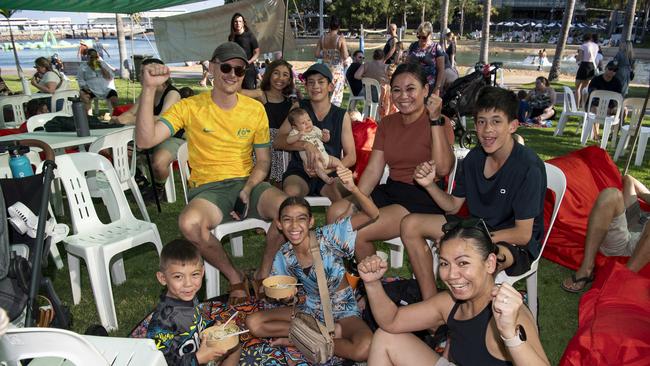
(20, 165)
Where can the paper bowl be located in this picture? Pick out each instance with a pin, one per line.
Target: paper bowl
(217, 336)
(273, 286)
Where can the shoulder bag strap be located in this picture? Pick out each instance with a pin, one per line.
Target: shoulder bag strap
(322, 285)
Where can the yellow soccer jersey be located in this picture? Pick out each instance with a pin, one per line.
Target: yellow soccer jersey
(220, 142)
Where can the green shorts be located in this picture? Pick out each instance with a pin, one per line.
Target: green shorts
(224, 193)
(171, 145)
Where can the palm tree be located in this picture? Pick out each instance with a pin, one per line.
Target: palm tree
(444, 14)
(121, 43)
(630, 12)
(485, 33)
(7, 13)
(561, 42)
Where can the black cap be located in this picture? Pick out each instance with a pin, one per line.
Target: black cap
(318, 69)
(227, 51)
(612, 65)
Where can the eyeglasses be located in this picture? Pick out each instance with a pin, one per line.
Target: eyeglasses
(227, 68)
(475, 223)
(423, 37)
(612, 69)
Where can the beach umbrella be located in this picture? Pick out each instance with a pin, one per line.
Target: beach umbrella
(539, 25)
(7, 13)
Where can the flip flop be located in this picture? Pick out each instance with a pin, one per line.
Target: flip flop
(585, 280)
(243, 285)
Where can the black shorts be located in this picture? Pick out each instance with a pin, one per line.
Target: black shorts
(314, 184)
(412, 197)
(111, 93)
(586, 71)
(522, 259)
(534, 112)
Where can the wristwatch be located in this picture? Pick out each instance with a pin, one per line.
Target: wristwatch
(518, 339)
(437, 122)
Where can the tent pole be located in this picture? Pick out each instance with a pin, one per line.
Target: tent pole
(284, 25)
(19, 69)
(135, 77)
(639, 124)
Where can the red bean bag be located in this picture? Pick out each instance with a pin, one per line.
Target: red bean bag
(121, 109)
(588, 171)
(14, 131)
(614, 320)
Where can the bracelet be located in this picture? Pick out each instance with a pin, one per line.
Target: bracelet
(517, 340)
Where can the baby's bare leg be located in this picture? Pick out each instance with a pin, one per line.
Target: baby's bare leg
(333, 162)
(321, 172)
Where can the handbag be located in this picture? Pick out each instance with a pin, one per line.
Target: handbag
(313, 338)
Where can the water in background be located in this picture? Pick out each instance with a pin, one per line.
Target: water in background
(513, 60)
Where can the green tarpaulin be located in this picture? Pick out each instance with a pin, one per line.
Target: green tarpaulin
(95, 6)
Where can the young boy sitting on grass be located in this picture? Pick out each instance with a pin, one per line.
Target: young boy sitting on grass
(177, 325)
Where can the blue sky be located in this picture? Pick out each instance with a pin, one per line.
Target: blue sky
(81, 17)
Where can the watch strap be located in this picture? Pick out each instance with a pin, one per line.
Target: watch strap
(437, 122)
(515, 341)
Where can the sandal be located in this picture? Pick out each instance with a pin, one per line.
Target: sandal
(244, 286)
(585, 280)
(256, 285)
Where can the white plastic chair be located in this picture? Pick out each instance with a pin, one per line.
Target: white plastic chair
(63, 95)
(556, 182)
(97, 243)
(39, 120)
(601, 116)
(118, 142)
(35, 343)
(371, 89)
(397, 249)
(212, 285)
(16, 102)
(635, 108)
(170, 186)
(569, 110)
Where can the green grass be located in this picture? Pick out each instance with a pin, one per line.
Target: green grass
(558, 313)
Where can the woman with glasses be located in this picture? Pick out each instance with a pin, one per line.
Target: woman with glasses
(240, 34)
(541, 101)
(488, 324)
(332, 49)
(276, 93)
(46, 79)
(431, 56)
(416, 132)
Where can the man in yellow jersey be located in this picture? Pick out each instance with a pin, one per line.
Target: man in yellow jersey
(223, 128)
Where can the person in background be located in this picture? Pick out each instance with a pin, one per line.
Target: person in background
(375, 69)
(541, 101)
(605, 81)
(524, 107)
(100, 48)
(206, 74)
(4, 89)
(163, 154)
(600, 59)
(275, 93)
(430, 55)
(355, 84)
(240, 34)
(82, 52)
(625, 59)
(333, 50)
(186, 92)
(57, 63)
(94, 77)
(586, 71)
(390, 48)
(46, 80)
(450, 39)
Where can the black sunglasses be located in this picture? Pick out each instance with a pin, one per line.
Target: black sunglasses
(475, 223)
(227, 68)
(423, 37)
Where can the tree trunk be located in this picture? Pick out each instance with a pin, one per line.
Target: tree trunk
(613, 22)
(628, 26)
(121, 43)
(485, 33)
(424, 8)
(553, 74)
(404, 18)
(462, 19)
(444, 14)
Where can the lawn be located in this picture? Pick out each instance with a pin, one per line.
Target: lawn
(558, 313)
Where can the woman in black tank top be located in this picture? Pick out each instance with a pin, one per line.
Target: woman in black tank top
(275, 93)
(487, 323)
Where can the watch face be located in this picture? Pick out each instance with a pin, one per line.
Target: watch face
(522, 332)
